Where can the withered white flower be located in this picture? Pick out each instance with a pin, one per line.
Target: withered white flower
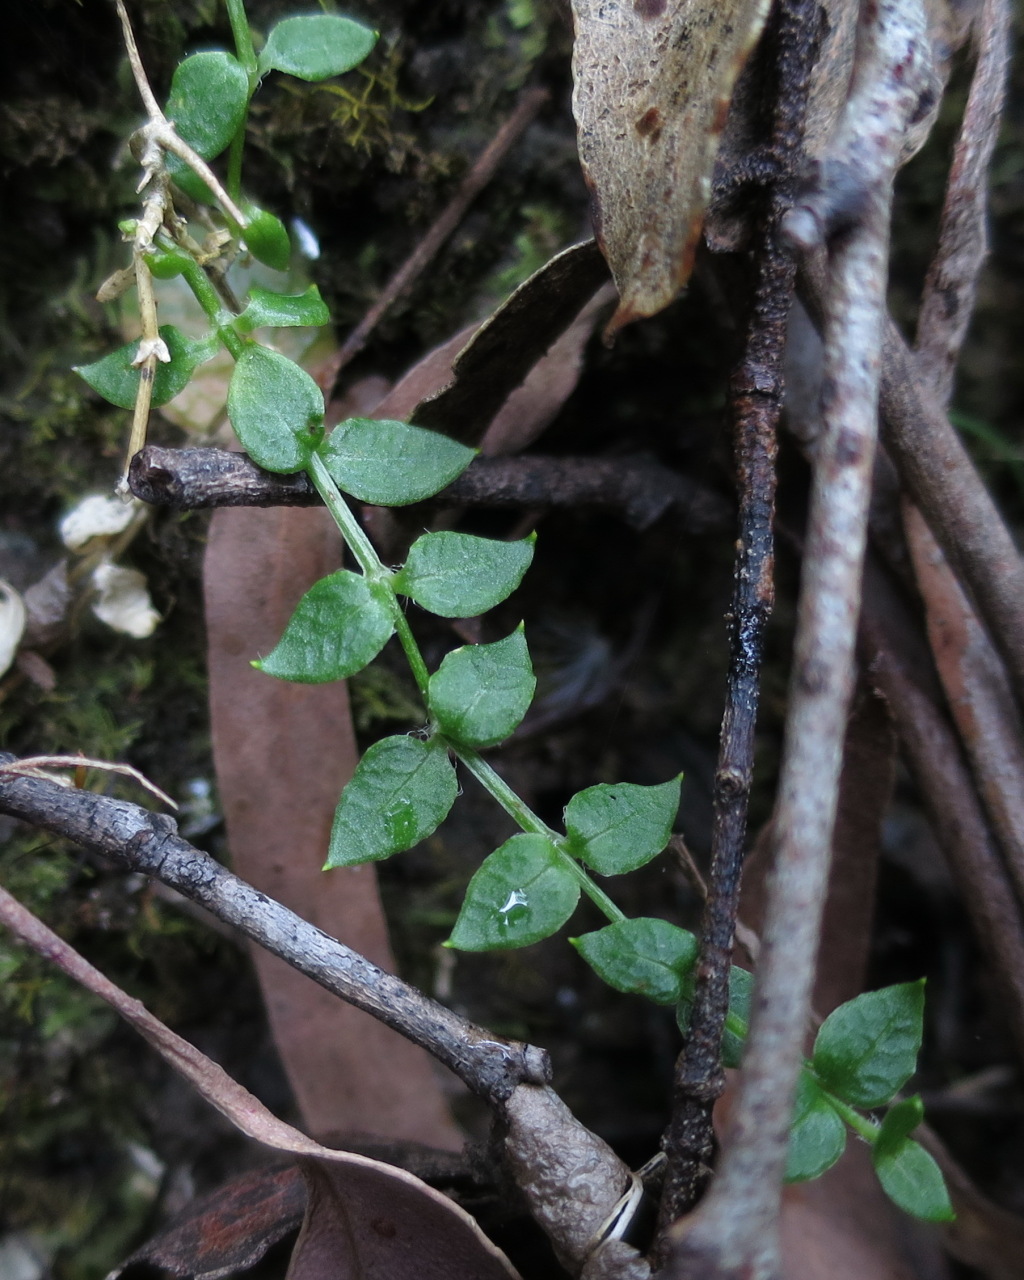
(12, 623)
(97, 516)
(123, 602)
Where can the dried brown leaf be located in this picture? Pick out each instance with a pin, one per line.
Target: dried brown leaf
(230, 1229)
(392, 1222)
(283, 753)
(506, 347)
(653, 83)
(369, 1221)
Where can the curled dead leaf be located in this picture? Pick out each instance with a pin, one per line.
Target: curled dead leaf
(653, 79)
(364, 1220)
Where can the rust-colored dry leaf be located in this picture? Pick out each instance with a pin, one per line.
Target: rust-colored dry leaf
(230, 1229)
(369, 1221)
(653, 83)
(504, 349)
(283, 753)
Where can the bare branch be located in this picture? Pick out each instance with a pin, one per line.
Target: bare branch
(734, 1232)
(898, 668)
(639, 488)
(756, 402)
(135, 838)
(571, 1179)
(937, 472)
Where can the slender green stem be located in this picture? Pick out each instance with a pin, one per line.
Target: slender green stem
(593, 891)
(207, 297)
(522, 814)
(242, 36)
(235, 162)
(499, 789)
(365, 553)
(861, 1125)
(494, 784)
(412, 649)
(345, 518)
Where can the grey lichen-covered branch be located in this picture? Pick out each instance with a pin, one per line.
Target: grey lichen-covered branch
(734, 1232)
(146, 842)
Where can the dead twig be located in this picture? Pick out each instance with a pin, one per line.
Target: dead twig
(937, 472)
(951, 283)
(571, 1179)
(756, 402)
(35, 766)
(640, 489)
(734, 1232)
(901, 670)
(969, 668)
(146, 842)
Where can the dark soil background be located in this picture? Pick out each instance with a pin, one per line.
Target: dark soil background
(97, 1142)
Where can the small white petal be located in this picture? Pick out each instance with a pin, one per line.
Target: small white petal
(124, 602)
(12, 623)
(97, 516)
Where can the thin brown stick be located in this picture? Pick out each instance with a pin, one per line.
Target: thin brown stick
(638, 488)
(483, 170)
(951, 283)
(734, 1232)
(938, 473)
(968, 666)
(756, 402)
(902, 672)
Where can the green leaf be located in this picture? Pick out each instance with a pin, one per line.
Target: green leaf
(458, 575)
(741, 992)
(619, 827)
(480, 692)
(391, 463)
(901, 1119)
(642, 956)
(400, 792)
(267, 239)
(282, 310)
(867, 1049)
(208, 98)
(208, 102)
(276, 409)
(910, 1177)
(522, 893)
(165, 264)
(734, 1037)
(817, 1137)
(115, 379)
(314, 48)
(338, 627)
